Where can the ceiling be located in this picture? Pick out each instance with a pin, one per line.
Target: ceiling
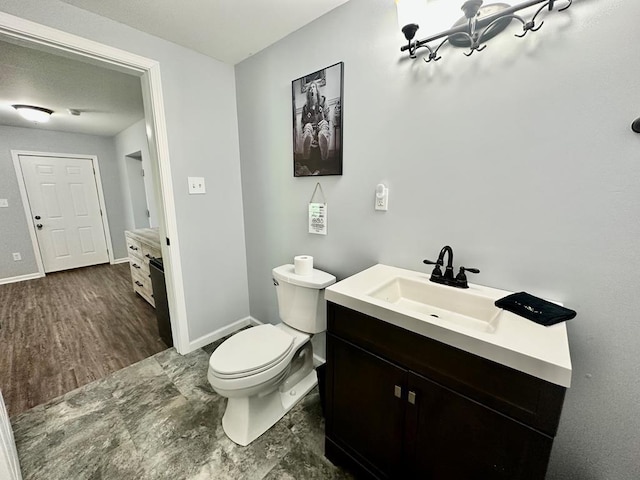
(108, 101)
(228, 30)
(111, 101)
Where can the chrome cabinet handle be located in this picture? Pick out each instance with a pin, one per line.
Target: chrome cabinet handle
(39, 226)
(138, 283)
(135, 265)
(132, 247)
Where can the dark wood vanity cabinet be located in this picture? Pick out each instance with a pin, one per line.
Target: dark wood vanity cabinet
(400, 405)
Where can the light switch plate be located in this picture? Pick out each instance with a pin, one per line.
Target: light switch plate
(4, 203)
(196, 186)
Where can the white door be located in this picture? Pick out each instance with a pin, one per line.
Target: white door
(9, 464)
(66, 212)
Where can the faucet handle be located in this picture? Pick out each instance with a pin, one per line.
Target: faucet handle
(436, 271)
(470, 270)
(461, 278)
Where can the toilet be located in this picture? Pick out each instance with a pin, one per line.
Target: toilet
(265, 370)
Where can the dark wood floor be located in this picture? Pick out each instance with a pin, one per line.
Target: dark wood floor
(68, 329)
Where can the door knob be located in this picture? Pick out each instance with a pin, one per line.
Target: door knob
(39, 226)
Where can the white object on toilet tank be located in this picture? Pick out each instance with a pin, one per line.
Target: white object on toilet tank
(303, 265)
(301, 298)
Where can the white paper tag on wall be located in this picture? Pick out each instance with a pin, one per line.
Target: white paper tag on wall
(318, 218)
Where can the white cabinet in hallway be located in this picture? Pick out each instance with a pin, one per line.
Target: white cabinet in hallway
(142, 244)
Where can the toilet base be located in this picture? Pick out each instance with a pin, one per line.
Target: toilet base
(246, 418)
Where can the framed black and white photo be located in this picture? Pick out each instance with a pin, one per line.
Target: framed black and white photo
(317, 122)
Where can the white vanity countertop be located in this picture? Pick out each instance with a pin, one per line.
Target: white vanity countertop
(517, 342)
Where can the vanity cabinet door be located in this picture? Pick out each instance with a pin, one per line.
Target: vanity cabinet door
(451, 436)
(367, 397)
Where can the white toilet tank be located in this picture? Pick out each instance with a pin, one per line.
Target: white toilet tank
(301, 298)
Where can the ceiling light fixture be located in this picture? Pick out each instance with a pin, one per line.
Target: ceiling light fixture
(33, 113)
(479, 24)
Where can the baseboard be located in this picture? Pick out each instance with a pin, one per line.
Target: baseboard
(21, 278)
(120, 260)
(218, 334)
(318, 360)
(229, 329)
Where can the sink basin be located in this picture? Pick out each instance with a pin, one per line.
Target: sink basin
(462, 318)
(462, 307)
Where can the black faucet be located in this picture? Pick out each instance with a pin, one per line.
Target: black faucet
(447, 278)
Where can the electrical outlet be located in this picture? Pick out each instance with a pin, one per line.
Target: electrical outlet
(17, 257)
(4, 203)
(196, 185)
(382, 198)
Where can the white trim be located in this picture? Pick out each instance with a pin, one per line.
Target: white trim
(96, 178)
(9, 462)
(21, 278)
(318, 360)
(255, 321)
(155, 123)
(120, 260)
(27, 211)
(149, 70)
(32, 32)
(220, 333)
(103, 207)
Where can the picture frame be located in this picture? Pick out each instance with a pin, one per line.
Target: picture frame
(317, 122)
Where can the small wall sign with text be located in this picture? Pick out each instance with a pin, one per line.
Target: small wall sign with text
(318, 218)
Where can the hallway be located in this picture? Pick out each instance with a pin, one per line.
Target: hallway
(68, 329)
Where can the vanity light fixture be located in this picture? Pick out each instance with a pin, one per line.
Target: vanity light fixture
(33, 113)
(479, 24)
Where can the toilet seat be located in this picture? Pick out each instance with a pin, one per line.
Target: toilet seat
(250, 352)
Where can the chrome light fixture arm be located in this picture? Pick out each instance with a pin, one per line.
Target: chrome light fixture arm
(471, 31)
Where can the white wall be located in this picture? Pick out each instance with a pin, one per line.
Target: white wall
(520, 157)
(210, 227)
(132, 140)
(15, 234)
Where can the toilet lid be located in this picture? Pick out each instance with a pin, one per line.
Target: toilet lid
(251, 351)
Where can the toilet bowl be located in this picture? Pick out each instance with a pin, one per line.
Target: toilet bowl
(265, 370)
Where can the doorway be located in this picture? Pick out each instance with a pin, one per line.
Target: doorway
(137, 190)
(65, 202)
(44, 38)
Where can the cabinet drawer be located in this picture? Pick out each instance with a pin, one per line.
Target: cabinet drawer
(148, 251)
(142, 285)
(139, 266)
(528, 399)
(140, 281)
(134, 247)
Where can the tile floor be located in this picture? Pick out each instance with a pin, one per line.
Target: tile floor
(158, 419)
